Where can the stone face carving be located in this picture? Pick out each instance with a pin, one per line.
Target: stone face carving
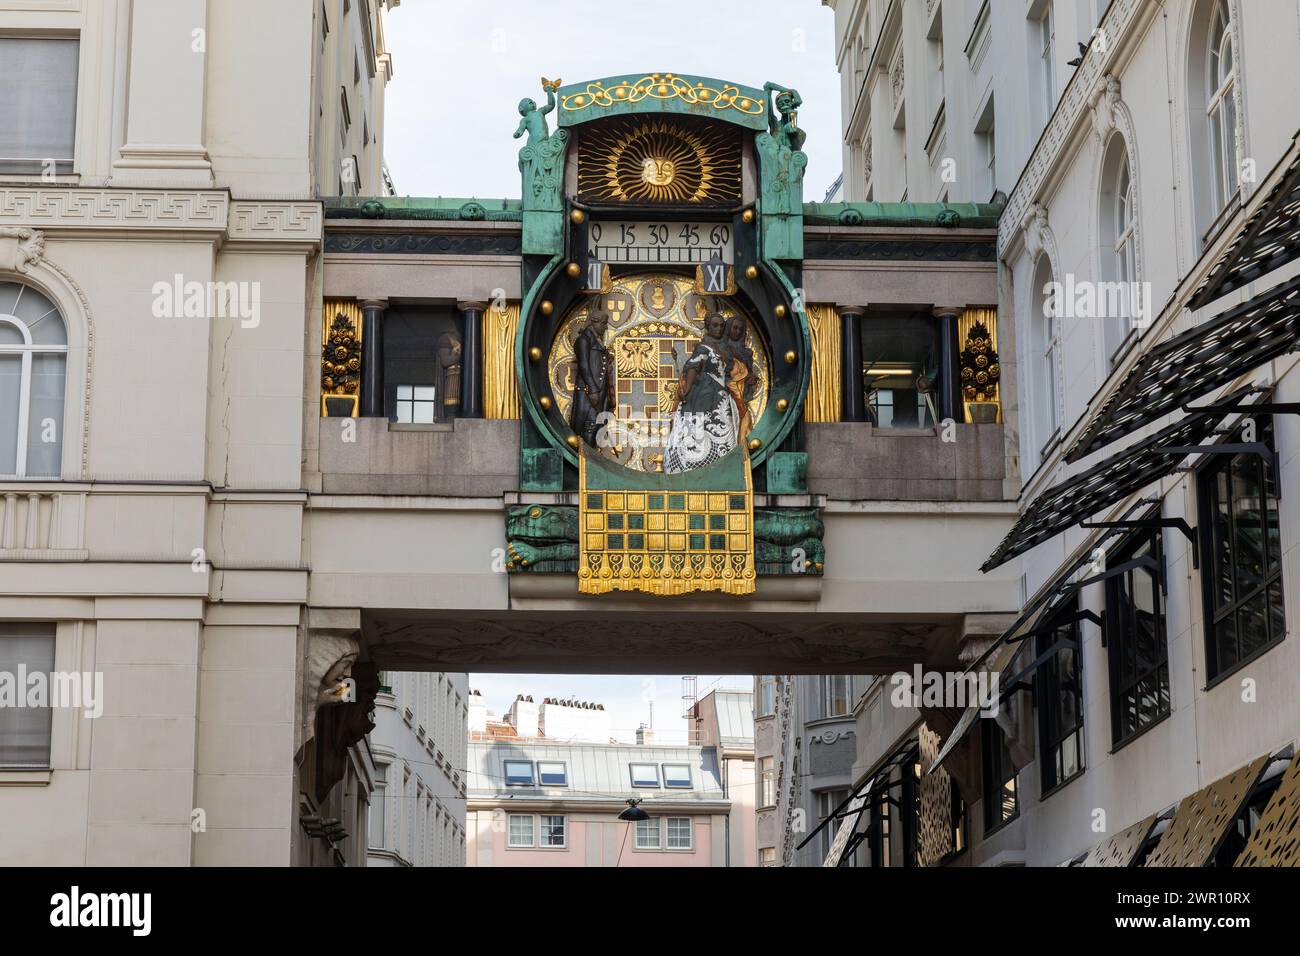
(1104, 102)
(1035, 226)
(329, 668)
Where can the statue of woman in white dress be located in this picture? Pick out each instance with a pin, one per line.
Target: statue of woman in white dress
(705, 425)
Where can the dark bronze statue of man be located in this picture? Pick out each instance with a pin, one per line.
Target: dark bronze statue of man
(593, 389)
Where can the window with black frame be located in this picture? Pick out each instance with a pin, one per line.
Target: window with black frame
(880, 833)
(1001, 790)
(1058, 698)
(1136, 639)
(1241, 575)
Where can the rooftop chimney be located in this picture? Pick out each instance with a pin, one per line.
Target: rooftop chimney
(645, 736)
(523, 717)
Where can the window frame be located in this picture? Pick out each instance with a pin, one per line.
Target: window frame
(1221, 91)
(543, 837)
(993, 746)
(21, 168)
(766, 777)
(636, 835)
(510, 832)
(1053, 735)
(1207, 499)
(45, 632)
(564, 773)
(667, 829)
(690, 777)
(27, 351)
(826, 687)
(766, 687)
(631, 772)
(1120, 613)
(505, 772)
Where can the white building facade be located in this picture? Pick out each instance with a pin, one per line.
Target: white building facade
(1151, 194)
(161, 165)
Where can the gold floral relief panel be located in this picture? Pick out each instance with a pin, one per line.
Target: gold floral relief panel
(1201, 819)
(823, 402)
(1276, 839)
(340, 358)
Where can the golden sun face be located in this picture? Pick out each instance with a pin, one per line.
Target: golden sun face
(680, 161)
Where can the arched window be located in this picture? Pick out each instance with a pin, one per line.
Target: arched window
(1045, 345)
(1118, 222)
(1221, 105)
(33, 366)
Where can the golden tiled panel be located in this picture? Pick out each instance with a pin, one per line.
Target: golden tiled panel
(1202, 818)
(935, 838)
(1276, 841)
(1120, 849)
(665, 542)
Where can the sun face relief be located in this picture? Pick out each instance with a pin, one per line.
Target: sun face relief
(658, 172)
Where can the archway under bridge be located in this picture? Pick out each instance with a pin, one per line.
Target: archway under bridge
(634, 637)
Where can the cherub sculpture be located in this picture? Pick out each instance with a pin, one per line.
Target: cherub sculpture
(534, 120)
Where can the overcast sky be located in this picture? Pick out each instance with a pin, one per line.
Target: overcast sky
(462, 66)
(626, 698)
(460, 69)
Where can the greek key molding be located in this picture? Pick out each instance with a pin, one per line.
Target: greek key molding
(277, 221)
(1075, 104)
(114, 208)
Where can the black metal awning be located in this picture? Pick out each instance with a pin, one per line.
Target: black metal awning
(1110, 482)
(1195, 363)
(1269, 240)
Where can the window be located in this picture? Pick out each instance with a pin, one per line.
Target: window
(38, 113)
(1119, 254)
(553, 831)
(378, 821)
(1136, 639)
(679, 833)
(1221, 106)
(1242, 577)
(677, 776)
(766, 695)
(900, 369)
(1058, 698)
(33, 365)
(552, 773)
(25, 731)
(1001, 796)
(956, 820)
(1047, 60)
(1252, 809)
(828, 801)
(521, 830)
(766, 782)
(880, 829)
(767, 856)
(834, 695)
(986, 138)
(519, 773)
(1045, 345)
(644, 774)
(647, 834)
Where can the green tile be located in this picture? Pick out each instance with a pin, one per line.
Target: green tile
(615, 522)
(636, 542)
(717, 522)
(697, 542)
(697, 522)
(595, 502)
(717, 542)
(636, 522)
(614, 542)
(677, 502)
(737, 502)
(656, 502)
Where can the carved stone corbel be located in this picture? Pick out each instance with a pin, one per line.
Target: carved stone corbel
(20, 247)
(1034, 226)
(1104, 101)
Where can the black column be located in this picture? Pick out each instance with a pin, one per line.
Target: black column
(948, 352)
(852, 408)
(471, 359)
(372, 358)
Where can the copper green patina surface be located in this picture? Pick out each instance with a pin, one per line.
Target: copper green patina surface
(681, 93)
(436, 208)
(904, 214)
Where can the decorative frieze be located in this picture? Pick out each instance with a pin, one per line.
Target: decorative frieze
(72, 208)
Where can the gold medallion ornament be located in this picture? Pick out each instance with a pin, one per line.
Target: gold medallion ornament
(679, 160)
(656, 321)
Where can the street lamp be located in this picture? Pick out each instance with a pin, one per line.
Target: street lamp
(634, 813)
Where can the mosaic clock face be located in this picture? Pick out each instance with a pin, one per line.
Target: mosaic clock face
(656, 323)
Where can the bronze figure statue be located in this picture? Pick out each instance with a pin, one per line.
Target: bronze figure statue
(593, 389)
